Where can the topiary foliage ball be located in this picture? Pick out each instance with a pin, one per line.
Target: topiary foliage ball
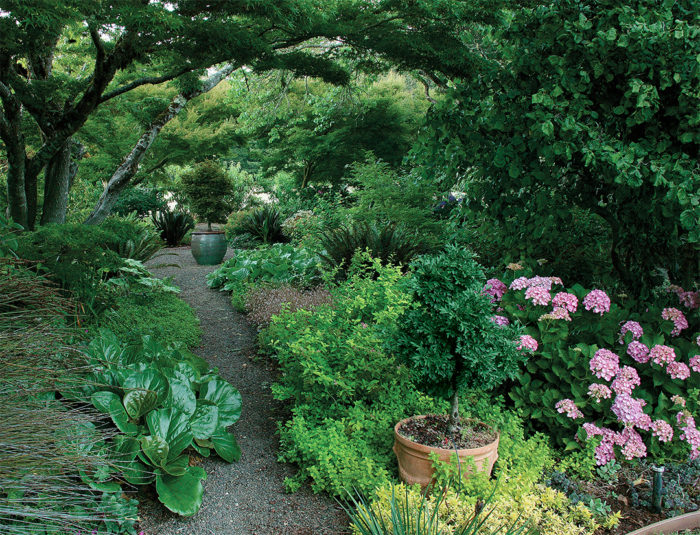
(208, 189)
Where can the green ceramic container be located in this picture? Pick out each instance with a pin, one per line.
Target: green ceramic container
(209, 248)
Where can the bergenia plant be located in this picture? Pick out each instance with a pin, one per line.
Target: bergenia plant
(628, 379)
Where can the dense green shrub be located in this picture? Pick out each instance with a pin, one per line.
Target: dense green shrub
(263, 225)
(347, 392)
(172, 226)
(136, 239)
(140, 200)
(209, 189)
(387, 242)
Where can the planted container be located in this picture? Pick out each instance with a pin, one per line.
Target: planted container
(671, 525)
(414, 461)
(209, 247)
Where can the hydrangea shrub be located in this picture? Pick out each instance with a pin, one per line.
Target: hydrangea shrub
(599, 370)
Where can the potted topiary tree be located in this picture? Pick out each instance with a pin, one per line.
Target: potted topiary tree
(451, 341)
(208, 188)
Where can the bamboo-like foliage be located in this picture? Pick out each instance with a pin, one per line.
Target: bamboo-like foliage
(49, 448)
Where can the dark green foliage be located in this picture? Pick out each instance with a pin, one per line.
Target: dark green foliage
(78, 257)
(448, 339)
(172, 226)
(140, 200)
(592, 106)
(164, 401)
(347, 392)
(136, 239)
(161, 315)
(208, 187)
(263, 225)
(387, 242)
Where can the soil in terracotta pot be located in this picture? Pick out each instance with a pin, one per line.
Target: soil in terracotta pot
(432, 431)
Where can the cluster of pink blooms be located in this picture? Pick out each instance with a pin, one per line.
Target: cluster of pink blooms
(638, 351)
(597, 301)
(527, 342)
(565, 300)
(631, 327)
(678, 370)
(604, 364)
(690, 433)
(626, 380)
(695, 363)
(521, 283)
(569, 407)
(558, 313)
(662, 430)
(538, 294)
(662, 354)
(495, 288)
(630, 411)
(689, 300)
(599, 392)
(500, 320)
(678, 319)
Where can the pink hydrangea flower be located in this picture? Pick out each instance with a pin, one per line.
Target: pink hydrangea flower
(495, 288)
(678, 319)
(697, 340)
(662, 430)
(605, 364)
(695, 363)
(629, 410)
(566, 300)
(661, 354)
(638, 351)
(569, 407)
(527, 342)
(538, 294)
(597, 301)
(556, 280)
(599, 392)
(520, 283)
(500, 320)
(540, 282)
(690, 433)
(632, 327)
(678, 370)
(591, 430)
(689, 300)
(678, 400)
(633, 446)
(605, 452)
(558, 313)
(626, 380)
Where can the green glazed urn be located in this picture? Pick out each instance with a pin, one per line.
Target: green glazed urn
(209, 247)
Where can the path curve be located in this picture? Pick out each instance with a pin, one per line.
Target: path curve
(244, 498)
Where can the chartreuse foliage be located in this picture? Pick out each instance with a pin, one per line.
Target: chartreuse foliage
(603, 117)
(164, 401)
(347, 392)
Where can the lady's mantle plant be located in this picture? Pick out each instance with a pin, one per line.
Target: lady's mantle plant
(449, 338)
(632, 381)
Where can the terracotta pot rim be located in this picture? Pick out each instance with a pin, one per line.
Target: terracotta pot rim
(669, 525)
(440, 451)
(197, 232)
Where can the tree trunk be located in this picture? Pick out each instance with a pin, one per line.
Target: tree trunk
(128, 168)
(57, 183)
(453, 426)
(16, 194)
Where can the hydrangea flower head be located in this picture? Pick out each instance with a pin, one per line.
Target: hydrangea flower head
(662, 430)
(599, 392)
(540, 282)
(538, 294)
(495, 288)
(633, 446)
(626, 380)
(639, 352)
(520, 283)
(689, 300)
(566, 300)
(661, 354)
(632, 327)
(605, 364)
(695, 363)
(527, 342)
(569, 407)
(629, 410)
(597, 301)
(559, 313)
(500, 320)
(678, 370)
(678, 319)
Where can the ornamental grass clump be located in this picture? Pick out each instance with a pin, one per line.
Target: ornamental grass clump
(449, 338)
(628, 380)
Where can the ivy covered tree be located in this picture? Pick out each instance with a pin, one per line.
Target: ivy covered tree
(61, 60)
(585, 104)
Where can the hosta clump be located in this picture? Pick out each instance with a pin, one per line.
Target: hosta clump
(279, 264)
(165, 402)
(628, 378)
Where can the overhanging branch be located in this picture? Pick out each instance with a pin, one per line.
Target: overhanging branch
(147, 80)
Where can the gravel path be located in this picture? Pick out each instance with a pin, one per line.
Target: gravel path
(244, 498)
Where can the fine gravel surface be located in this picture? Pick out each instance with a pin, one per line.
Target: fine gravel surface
(247, 497)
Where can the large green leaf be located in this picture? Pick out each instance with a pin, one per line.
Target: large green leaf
(106, 349)
(173, 426)
(205, 419)
(177, 467)
(181, 494)
(226, 398)
(226, 446)
(181, 397)
(137, 473)
(156, 449)
(110, 403)
(144, 392)
(125, 448)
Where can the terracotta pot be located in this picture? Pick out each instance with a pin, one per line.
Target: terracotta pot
(415, 465)
(209, 247)
(671, 525)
